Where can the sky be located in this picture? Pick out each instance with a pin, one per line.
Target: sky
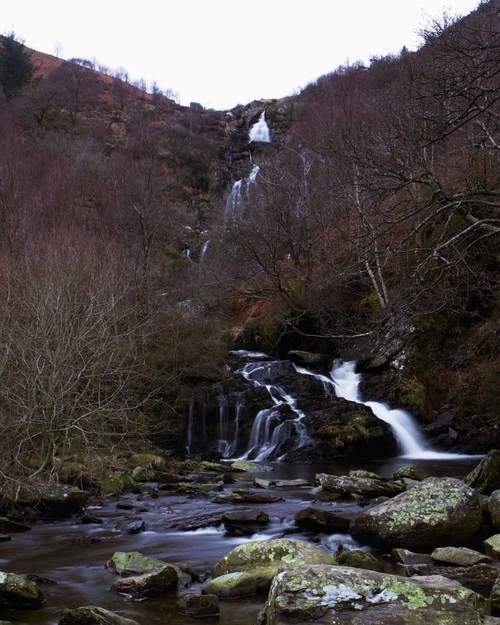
(221, 53)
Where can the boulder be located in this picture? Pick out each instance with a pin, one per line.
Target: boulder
(90, 615)
(423, 517)
(364, 486)
(263, 558)
(139, 587)
(198, 605)
(244, 522)
(342, 428)
(359, 560)
(119, 484)
(133, 563)
(485, 478)
(343, 596)
(492, 546)
(52, 501)
(320, 520)
(238, 584)
(16, 591)
(410, 472)
(459, 556)
(240, 495)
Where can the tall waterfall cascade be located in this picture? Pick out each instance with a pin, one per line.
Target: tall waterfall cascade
(260, 130)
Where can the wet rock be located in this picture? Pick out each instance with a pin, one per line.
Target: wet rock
(320, 520)
(244, 522)
(16, 591)
(309, 358)
(133, 526)
(341, 428)
(133, 563)
(52, 501)
(343, 595)
(118, 484)
(90, 615)
(347, 485)
(485, 478)
(424, 517)
(459, 556)
(238, 584)
(140, 587)
(494, 507)
(198, 605)
(246, 496)
(263, 559)
(480, 577)
(411, 473)
(359, 560)
(406, 557)
(12, 527)
(299, 483)
(492, 546)
(246, 466)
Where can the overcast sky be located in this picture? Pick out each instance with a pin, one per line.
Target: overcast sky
(224, 52)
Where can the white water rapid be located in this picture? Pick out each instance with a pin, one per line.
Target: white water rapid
(260, 130)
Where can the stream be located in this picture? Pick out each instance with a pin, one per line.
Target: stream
(72, 555)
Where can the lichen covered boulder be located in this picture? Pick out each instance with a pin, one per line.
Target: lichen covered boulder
(343, 596)
(433, 513)
(264, 558)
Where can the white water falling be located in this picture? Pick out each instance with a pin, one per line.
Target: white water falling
(268, 430)
(239, 197)
(204, 250)
(406, 431)
(260, 130)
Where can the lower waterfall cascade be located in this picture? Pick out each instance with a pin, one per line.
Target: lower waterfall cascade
(284, 424)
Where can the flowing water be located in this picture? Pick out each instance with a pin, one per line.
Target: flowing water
(260, 130)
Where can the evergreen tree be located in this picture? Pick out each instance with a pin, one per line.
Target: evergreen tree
(16, 66)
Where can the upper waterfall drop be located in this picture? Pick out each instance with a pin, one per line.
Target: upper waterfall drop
(260, 130)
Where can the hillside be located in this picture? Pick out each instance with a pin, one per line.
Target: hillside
(368, 229)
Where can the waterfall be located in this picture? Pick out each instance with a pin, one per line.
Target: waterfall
(260, 130)
(204, 250)
(270, 429)
(405, 430)
(345, 382)
(239, 197)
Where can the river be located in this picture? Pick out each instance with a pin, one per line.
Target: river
(73, 555)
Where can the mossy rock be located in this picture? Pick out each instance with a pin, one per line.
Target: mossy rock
(15, 591)
(93, 615)
(247, 466)
(119, 484)
(410, 472)
(264, 558)
(133, 563)
(237, 584)
(359, 560)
